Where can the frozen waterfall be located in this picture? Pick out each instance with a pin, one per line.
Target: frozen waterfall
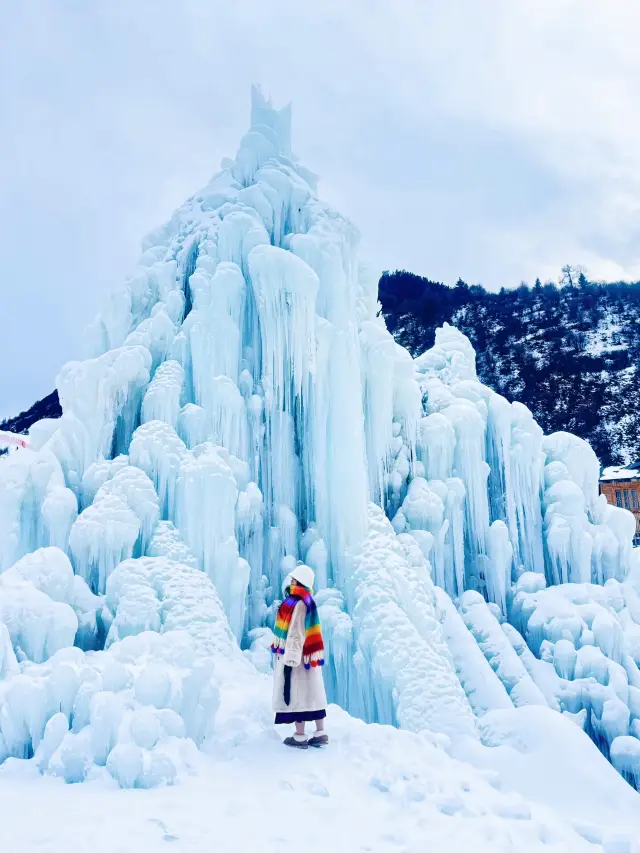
(243, 408)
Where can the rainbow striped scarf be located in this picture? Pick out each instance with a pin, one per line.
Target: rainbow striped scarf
(313, 649)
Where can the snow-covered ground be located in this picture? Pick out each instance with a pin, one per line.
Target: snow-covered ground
(376, 788)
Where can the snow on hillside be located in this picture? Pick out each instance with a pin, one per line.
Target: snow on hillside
(570, 353)
(244, 408)
(48, 407)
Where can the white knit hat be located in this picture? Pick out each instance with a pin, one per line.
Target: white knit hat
(304, 575)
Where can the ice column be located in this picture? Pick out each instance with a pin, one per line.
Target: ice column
(285, 289)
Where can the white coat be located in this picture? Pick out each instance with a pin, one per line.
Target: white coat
(307, 685)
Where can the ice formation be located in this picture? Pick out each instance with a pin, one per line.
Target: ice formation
(244, 408)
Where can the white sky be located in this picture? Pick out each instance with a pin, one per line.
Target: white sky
(489, 139)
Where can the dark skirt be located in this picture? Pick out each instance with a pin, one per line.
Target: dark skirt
(299, 717)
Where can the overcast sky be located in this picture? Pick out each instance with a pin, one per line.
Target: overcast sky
(492, 140)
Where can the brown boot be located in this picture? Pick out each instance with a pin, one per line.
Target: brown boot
(319, 740)
(297, 744)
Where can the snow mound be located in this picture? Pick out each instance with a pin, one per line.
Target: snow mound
(160, 594)
(137, 709)
(587, 638)
(546, 759)
(49, 571)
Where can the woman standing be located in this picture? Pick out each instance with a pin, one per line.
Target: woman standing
(298, 691)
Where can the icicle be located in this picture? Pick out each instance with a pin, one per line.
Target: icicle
(102, 536)
(157, 450)
(250, 536)
(379, 351)
(498, 575)
(229, 417)
(205, 512)
(285, 289)
(163, 397)
(436, 446)
(192, 425)
(523, 498)
(97, 396)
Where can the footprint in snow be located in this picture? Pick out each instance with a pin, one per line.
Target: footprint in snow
(415, 793)
(450, 805)
(390, 838)
(514, 811)
(318, 789)
(379, 785)
(546, 834)
(166, 836)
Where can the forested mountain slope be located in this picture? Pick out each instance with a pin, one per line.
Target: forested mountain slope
(569, 353)
(48, 407)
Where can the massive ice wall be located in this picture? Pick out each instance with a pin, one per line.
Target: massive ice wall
(541, 567)
(244, 408)
(242, 405)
